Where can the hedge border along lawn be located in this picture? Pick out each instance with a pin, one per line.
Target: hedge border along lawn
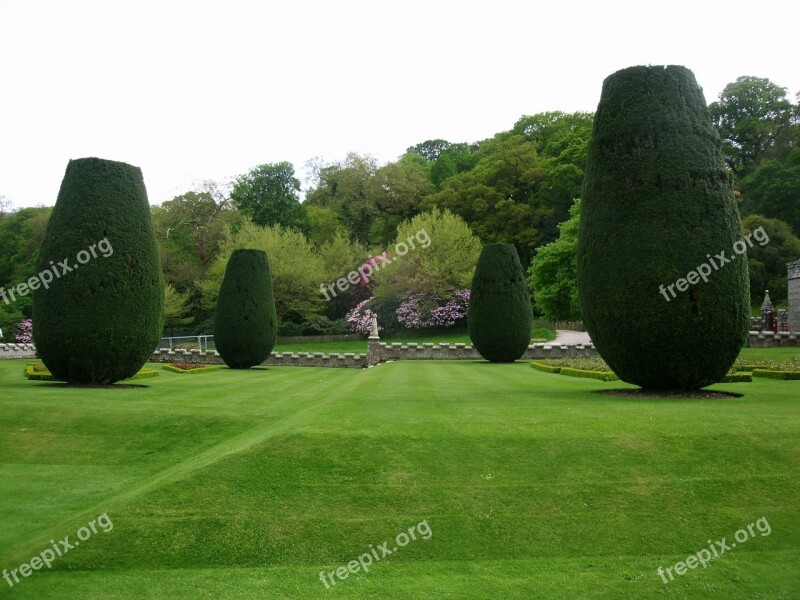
(204, 369)
(44, 375)
(609, 376)
(601, 375)
(783, 375)
(737, 378)
(546, 368)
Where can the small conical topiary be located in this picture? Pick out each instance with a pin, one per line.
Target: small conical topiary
(245, 324)
(97, 309)
(499, 314)
(666, 309)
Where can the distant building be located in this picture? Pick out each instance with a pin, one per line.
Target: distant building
(794, 295)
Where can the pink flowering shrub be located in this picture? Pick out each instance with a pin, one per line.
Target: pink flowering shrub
(24, 332)
(360, 318)
(422, 310)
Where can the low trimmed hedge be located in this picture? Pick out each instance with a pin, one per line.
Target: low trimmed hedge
(205, 369)
(601, 375)
(737, 378)
(783, 375)
(546, 368)
(38, 372)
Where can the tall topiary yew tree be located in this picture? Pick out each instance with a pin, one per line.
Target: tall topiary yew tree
(658, 203)
(99, 317)
(499, 314)
(245, 324)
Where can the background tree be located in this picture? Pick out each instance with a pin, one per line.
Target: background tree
(21, 236)
(523, 183)
(397, 189)
(767, 262)
(752, 115)
(499, 313)
(664, 193)
(176, 309)
(340, 256)
(245, 323)
(6, 207)
(443, 259)
(345, 188)
(297, 270)
(323, 225)
(773, 189)
(100, 322)
(189, 229)
(269, 195)
(554, 272)
(430, 150)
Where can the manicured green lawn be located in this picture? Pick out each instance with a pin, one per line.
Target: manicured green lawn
(248, 484)
(778, 354)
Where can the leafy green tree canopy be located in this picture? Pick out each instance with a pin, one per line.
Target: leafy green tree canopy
(442, 258)
(269, 195)
(553, 272)
(297, 271)
(752, 114)
(775, 245)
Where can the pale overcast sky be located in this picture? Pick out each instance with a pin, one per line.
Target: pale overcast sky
(197, 90)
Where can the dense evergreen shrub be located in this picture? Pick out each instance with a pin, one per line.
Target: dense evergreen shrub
(245, 326)
(658, 203)
(499, 315)
(100, 318)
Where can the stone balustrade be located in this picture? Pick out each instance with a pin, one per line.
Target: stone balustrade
(378, 352)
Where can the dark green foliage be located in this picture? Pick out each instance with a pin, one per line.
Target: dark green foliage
(657, 202)
(553, 272)
(499, 314)
(268, 194)
(767, 260)
(774, 188)
(245, 326)
(100, 322)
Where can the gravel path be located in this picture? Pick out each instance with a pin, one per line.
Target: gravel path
(564, 336)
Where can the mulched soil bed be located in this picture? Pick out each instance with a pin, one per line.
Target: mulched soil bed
(699, 394)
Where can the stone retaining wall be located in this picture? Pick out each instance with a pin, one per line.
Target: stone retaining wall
(378, 352)
(17, 351)
(275, 359)
(445, 351)
(768, 339)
